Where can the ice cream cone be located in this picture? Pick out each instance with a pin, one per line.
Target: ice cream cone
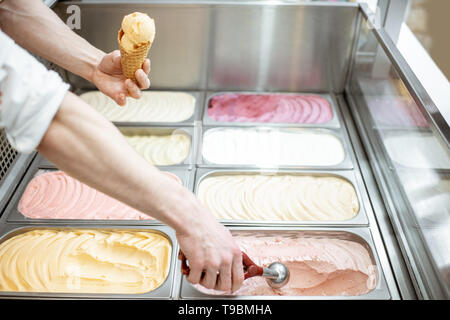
(132, 60)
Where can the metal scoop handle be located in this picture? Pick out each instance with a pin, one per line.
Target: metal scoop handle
(251, 269)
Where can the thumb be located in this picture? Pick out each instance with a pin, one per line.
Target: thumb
(110, 63)
(116, 59)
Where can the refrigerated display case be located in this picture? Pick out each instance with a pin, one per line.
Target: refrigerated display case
(395, 140)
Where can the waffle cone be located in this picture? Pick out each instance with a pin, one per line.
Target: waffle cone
(132, 60)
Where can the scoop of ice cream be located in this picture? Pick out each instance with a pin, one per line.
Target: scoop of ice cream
(127, 43)
(138, 28)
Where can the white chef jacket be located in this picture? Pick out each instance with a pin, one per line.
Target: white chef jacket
(30, 95)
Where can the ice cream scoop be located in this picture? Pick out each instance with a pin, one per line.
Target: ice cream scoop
(276, 275)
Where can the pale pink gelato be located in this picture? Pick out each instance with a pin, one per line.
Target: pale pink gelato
(318, 266)
(55, 195)
(274, 108)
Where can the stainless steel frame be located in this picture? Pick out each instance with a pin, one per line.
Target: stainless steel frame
(195, 49)
(393, 14)
(422, 270)
(12, 179)
(415, 88)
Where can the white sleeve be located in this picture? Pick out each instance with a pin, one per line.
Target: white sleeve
(30, 95)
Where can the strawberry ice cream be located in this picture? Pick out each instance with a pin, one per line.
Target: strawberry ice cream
(274, 108)
(318, 266)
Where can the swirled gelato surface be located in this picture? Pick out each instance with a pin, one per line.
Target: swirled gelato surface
(274, 108)
(318, 266)
(278, 197)
(56, 195)
(161, 150)
(84, 261)
(272, 147)
(153, 106)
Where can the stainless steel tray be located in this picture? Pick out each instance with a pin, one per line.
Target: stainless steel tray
(360, 235)
(199, 101)
(12, 214)
(156, 130)
(347, 163)
(162, 292)
(359, 220)
(333, 123)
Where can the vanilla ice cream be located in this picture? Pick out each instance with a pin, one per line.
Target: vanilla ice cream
(272, 147)
(318, 266)
(161, 150)
(281, 197)
(84, 261)
(152, 106)
(138, 29)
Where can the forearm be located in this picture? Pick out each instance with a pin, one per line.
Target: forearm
(38, 29)
(88, 147)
